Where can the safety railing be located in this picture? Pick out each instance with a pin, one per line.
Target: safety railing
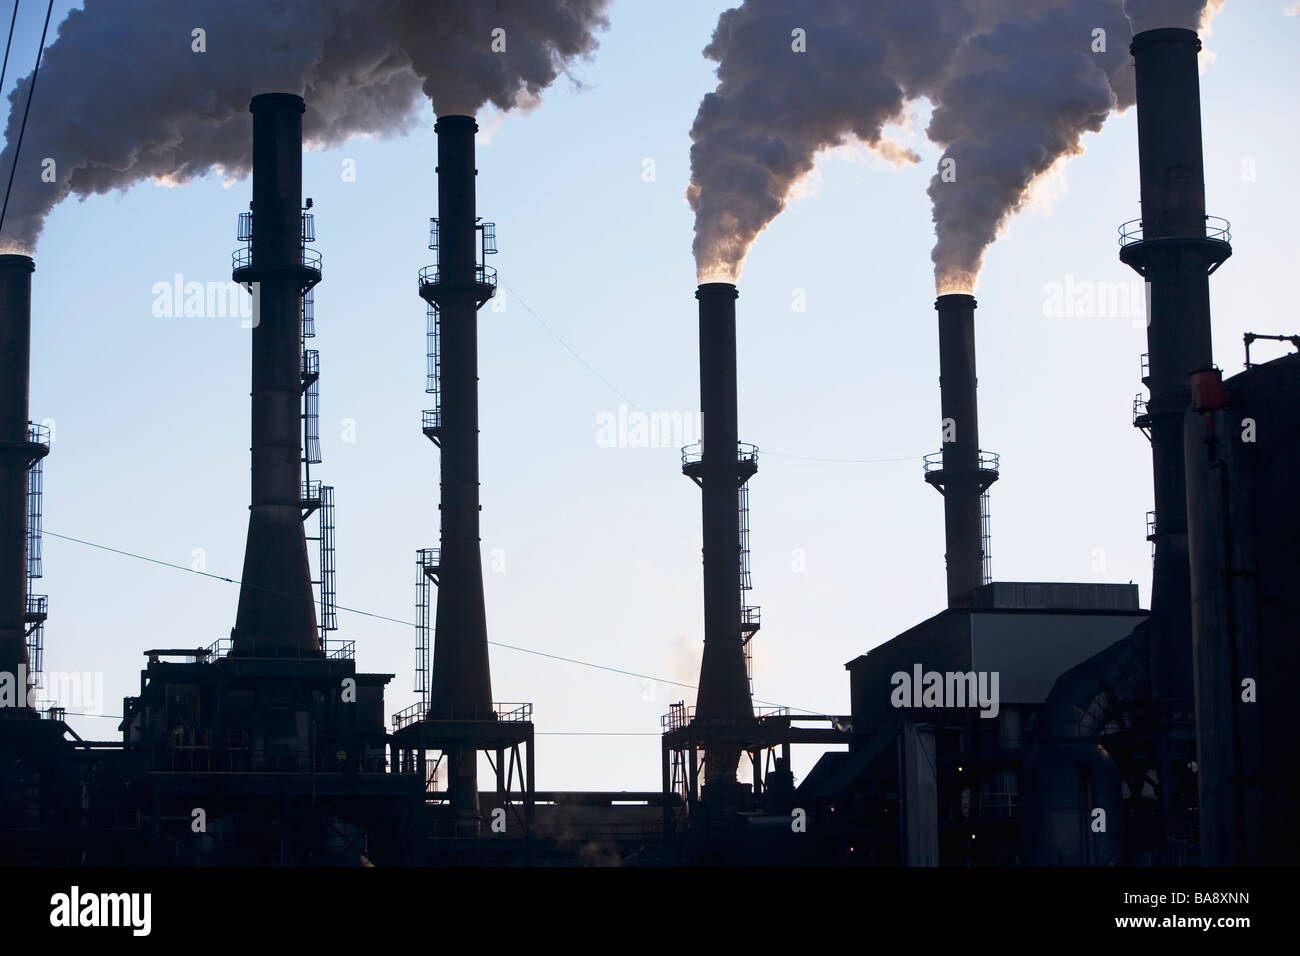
(694, 453)
(243, 259)
(1141, 411)
(988, 461)
(1216, 227)
(431, 419)
(483, 275)
(335, 650)
(678, 716)
(244, 230)
(340, 650)
(499, 711)
(38, 607)
(751, 617)
(310, 492)
(38, 434)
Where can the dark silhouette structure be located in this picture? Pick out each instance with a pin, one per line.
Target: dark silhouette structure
(1055, 701)
(459, 718)
(722, 467)
(276, 616)
(21, 446)
(1243, 521)
(961, 472)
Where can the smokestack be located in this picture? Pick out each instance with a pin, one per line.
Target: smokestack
(460, 684)
(17, 455)
(960, 478)
(722, 704)
(1170, 248)
(277, 613)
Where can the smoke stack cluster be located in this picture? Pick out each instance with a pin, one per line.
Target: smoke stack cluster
(17, 454)
(362, 65)
(277, 613)
(1013, 90)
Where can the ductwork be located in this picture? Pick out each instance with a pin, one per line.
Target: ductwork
(1069, 777)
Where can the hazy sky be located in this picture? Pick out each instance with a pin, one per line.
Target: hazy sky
(597, 548)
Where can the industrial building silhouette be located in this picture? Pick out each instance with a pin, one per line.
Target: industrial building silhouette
(1115, 736)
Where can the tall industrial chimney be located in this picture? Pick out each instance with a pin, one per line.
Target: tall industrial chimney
(959, 471)
(17, 454)
(460, 683)
(723, 706)
(1173, 250)
(277, 613)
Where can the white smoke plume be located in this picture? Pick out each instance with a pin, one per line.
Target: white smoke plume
(776, 108)
(1014, 87)
(1013, 101)
(123, 94)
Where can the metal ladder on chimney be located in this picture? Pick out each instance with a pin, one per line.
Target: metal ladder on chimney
(426, 574)
(985, 537)
(37, 604)
(431, 423)
(749, 614)
(317, 498)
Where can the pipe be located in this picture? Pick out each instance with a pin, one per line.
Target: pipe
(1222, 553)
(963, 483)
(17, 454)
(1069, 776)
(460, 679)
(277, 613)
(723, 698)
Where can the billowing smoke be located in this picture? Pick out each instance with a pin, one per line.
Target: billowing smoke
(1014, 88)
(1188, 14)
(1013, 101)
(130, 91)
(776, 108)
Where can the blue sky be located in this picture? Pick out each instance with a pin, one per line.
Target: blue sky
(601, 545)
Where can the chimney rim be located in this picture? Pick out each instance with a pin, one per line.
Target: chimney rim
(717, 289)
(17, 260)
(455, 120)
(277, 99)
(1165, 35)
(955, 298)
